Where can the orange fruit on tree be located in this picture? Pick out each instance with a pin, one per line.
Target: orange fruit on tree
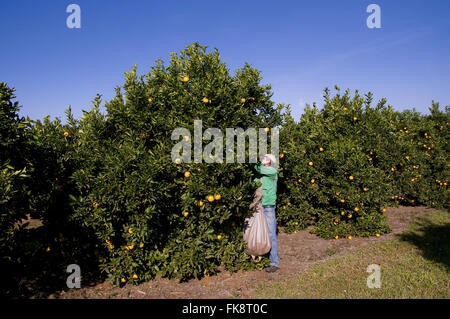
(210, 198)
(205, 100)
(321, 149)
(313, 181)
(350, 216)
(217, 196)
(337, 237)
(350, 178)
(187, 174)
(267, 129)
(342, 213)
(310, 163)
(200, 203)
(66, 134)
(135, 276)
(122, 280)
(185, 214)
(350, 237)
(185, 78)
(243, 100)
(150, 99)
(356, 209)
(378, 235)
(219, 237)
(281, 155)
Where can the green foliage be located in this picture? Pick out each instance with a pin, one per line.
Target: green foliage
(13, 175)
(111, 198)
(13, 165)
(327, 173)
(343, 164)
(129, 193)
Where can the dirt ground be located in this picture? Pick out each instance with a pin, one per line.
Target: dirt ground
(296, 251)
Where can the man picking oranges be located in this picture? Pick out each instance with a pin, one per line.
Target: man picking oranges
(267, 172)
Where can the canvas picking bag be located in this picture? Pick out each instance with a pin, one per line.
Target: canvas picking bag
(256, 233)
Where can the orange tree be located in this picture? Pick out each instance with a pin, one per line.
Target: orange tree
(150, 215)
(328, 177)
(61, 241)
(13, 166)
(435, 129)
(343, 164)
(418, 165)
(34, 171)
(13, 173)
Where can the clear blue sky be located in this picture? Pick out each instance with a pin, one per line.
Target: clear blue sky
(301, 47)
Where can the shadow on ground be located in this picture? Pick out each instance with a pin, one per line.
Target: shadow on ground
(432, 239)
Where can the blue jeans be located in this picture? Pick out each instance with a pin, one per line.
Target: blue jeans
(269, 212)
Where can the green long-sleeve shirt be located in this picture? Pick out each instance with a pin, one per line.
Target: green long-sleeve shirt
(269, 183)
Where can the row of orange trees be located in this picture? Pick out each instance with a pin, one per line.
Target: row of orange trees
(345, 163)
(110, 196)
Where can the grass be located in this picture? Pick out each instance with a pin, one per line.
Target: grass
(415, 264)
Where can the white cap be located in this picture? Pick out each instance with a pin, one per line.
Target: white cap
(271, 158)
